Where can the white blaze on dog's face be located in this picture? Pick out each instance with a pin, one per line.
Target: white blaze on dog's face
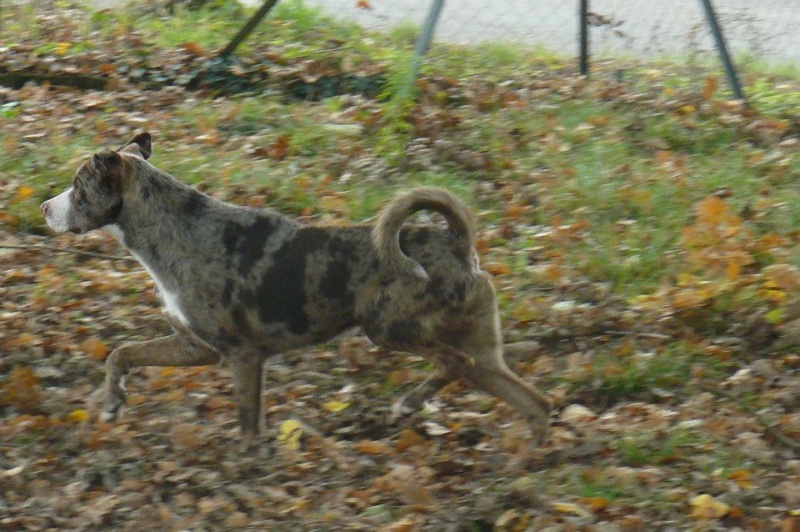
(57, 211)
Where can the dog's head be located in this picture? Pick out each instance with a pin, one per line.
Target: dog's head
(95, 198)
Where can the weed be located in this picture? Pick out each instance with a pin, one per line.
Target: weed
(649, 449)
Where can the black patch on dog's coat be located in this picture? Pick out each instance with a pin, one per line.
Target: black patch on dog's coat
(195, 205)
(253, 243)
(335, 280)
(231, 235)
(282, 294)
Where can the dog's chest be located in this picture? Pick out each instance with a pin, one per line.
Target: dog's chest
(169, 298)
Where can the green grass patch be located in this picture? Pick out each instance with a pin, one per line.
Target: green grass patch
(663, 447)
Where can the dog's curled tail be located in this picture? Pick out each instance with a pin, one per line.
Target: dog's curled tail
(386, 233)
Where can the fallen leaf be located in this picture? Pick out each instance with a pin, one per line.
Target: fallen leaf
(95, 348)
(707, 507)
(78, 416)
(709, 88)
(289, 434)
(571, 508)
(372, 447)
(335, 406)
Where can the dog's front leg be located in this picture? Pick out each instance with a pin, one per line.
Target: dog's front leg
(248, 372)
(172, 350)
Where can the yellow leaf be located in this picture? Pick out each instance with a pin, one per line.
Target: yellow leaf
(707, 507)
(335, 406)
(570, 508)
(78, 416)
(506, 519)
(62, 48)
(289, 434)
(24, 192)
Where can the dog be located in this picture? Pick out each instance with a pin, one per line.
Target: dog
(242, 284)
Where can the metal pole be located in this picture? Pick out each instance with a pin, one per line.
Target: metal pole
(730, 71)
(583, 21)
(423, 43)
(248, 28)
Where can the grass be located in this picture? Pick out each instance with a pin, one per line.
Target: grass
(625, 172)
(651, 449)
(582, 187)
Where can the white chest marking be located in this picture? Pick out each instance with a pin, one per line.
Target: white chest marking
(169, 299)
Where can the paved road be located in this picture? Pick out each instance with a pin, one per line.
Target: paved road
(767, 28)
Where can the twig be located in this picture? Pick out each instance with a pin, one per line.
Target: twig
(760, 419)
(67, 250)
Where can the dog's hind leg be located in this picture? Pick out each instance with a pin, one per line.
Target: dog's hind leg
(248, 371)
(450, 365)
(172, 350)
(483, 343)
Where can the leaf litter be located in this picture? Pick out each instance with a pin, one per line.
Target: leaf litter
(645, 433)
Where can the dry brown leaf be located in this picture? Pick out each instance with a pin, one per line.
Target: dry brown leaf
(95, 348)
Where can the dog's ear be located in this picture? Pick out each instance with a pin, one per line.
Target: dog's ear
(108, 164)
(141, 146)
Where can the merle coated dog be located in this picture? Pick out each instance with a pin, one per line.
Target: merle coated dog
(244, 284)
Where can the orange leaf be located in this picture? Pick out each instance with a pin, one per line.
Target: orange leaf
(22, 390)
(408, 438)
(742, 478)
(711, 210)
(497, 268)
(194, 49)
(95, 348)
(595, 504)
(24, 192)
(363, 4)
(709, 88)
(279, 149)
(372, 447)
(516, 211)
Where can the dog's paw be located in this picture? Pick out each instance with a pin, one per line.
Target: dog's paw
(108, 416)
(115, 398)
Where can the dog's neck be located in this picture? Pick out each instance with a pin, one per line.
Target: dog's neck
(156, 226)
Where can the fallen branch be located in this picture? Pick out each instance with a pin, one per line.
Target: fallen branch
(16, 80)
(43, 247)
